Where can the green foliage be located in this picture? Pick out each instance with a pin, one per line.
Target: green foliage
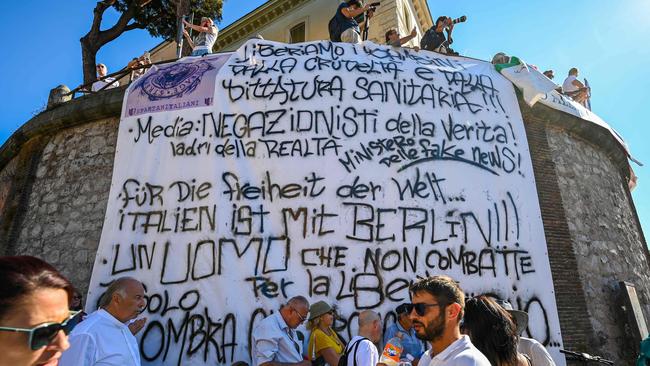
(159, 16)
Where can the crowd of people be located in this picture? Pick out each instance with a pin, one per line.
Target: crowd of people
(437, 328)
(42, 323)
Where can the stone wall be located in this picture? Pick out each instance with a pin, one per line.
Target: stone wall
(607, 241)
(63, 219)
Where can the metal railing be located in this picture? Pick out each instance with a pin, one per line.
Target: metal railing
(87, 88)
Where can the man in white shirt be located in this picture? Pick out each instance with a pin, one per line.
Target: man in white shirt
(574, 88)
(436, 312)
(104, 338)
(275, 342)
(99, 84)
(361, 350)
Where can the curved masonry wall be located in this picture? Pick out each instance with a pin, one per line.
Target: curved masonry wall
(63, 220)
(605, 238)
(55, 175)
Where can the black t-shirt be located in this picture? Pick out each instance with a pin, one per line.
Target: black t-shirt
(438, 39)
(432, 40)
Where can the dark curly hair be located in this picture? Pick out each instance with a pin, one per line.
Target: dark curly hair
(492, 330)
(22, 275)
(442, 288)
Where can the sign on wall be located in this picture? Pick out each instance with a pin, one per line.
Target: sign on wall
(339, 172)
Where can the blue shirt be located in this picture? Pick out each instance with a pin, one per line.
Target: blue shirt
(273, 340)
(345, 22)
(412, 345)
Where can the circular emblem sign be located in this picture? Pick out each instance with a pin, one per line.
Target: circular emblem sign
(174, 81)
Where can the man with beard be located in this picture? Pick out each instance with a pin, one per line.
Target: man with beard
(436, 312)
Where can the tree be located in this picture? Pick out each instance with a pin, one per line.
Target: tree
(158, 17)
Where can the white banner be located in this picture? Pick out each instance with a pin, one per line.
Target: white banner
(339, 172)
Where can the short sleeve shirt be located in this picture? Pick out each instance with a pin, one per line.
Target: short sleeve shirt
(460, 353)
(567, 85)
(319, 341)
(344, 21)
(273, 340)
(366, 353)
(412, 345)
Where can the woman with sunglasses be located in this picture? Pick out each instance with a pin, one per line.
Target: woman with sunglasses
(493, 332)
(34, 316)
(324, 347)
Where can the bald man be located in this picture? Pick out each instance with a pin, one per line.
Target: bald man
(275, 342)
(104, 338)
(361, 350)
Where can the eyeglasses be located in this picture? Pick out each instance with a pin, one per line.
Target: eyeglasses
(302, 318)
(42, 335)
(420, 308)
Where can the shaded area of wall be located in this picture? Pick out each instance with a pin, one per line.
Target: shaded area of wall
(569, 295)
(63, 220)
(592, 230)
(607, 243)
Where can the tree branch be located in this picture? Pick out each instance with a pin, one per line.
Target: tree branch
(99, 13)
(134, 25)
(113, 32)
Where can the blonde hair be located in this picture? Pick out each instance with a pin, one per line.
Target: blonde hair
(313, 323)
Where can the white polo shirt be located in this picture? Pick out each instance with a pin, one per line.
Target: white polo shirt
(460, 353)
(101, 340)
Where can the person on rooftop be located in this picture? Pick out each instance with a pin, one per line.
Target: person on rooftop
(102, 81)
(574, 88)
(393, 38)
(202, 42)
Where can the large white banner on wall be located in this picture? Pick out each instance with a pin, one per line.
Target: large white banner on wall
(339, 172)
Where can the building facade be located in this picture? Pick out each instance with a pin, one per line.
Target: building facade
(294, 21)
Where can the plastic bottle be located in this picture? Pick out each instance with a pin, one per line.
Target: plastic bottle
(392, 352)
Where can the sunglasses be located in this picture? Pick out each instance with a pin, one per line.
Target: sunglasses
(42, 335)
(302, 318)
(420, 308)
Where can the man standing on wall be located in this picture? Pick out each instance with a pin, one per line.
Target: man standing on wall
(275, 342)
(103, 338)
(343, 27)
(434, 39)
(436, 312)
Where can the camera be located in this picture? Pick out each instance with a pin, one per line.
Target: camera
(459, 20)
(373, 6)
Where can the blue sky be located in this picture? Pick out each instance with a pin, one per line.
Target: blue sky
(606, 39)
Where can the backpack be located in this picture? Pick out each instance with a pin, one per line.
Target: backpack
(334, 28)
(343, 361)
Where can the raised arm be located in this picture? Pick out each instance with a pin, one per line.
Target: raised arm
(351, 13)
(197, 28)
(413, 34)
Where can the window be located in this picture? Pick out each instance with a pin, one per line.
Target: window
(297, 33)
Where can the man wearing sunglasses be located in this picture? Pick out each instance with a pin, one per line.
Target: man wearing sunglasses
(436, 313)
(104, 338)
(275, 342)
